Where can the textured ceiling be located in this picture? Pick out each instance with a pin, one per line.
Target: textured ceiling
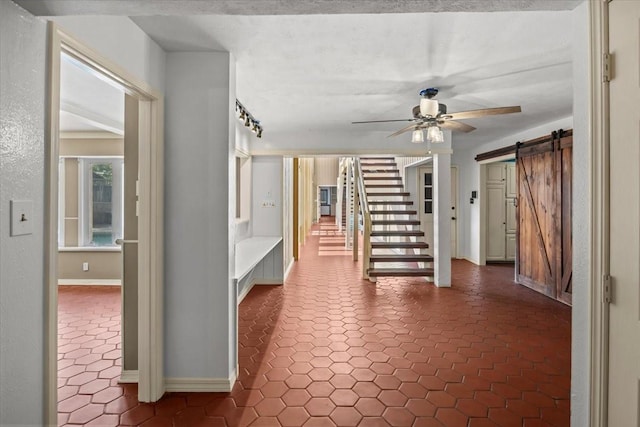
(311, 75)
(281, 7)
(306, 69)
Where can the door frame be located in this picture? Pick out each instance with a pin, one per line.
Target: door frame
(598, 229)
(150, 248)
(482, 240)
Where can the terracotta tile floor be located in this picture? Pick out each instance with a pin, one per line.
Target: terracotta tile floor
(328, 349)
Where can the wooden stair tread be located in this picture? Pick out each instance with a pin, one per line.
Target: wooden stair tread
(390, 202)
(382, 178)
(380, 171)
(388, 194)
(392, 212)
(404, 272)
(401, 258)
(384, 185)
(379, 164)
(377, 158)
(399, 245)
(395, 222)
(401, 233)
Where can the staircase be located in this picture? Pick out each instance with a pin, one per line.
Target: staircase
(397, 246)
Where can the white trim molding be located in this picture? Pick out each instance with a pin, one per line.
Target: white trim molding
(215, 385)
(128, 377)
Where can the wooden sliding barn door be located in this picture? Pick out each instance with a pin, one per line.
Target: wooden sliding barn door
(544, 173)
(564, 174)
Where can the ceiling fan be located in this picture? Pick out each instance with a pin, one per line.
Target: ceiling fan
(433, 116)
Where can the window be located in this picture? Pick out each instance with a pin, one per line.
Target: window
(101, 201)
(428, 193)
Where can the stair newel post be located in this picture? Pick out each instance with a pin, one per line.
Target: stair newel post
(356, 209)
(366, 246)
(339, 182)
(349, 206)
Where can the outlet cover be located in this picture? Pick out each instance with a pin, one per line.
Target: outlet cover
(21, 217)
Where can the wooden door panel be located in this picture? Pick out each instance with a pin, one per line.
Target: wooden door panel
(536, 236)
(564, 166)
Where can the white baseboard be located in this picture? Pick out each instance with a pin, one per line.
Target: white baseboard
(471, 260)
(200, 384)
(288, 270)
(128, 376)
(90, 282)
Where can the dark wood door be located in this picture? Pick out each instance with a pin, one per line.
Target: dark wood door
(564, 253)
(544, 173)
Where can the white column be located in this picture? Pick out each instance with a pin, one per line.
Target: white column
(442, 219)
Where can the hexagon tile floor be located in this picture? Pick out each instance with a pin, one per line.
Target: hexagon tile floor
(328, 349)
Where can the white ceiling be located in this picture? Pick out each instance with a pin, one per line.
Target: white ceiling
(303, 74)
(307, 74)
(89, 102)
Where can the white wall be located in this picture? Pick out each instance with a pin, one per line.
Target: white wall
(200, 216)
(469, 180)
(580, 389)
(267, 188)
(22, 155)
(326, 170)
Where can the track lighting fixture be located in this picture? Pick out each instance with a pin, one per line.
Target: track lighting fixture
(249, 121)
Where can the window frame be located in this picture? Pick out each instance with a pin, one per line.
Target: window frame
(85, 198)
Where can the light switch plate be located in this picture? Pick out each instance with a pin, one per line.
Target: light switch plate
(21, 217)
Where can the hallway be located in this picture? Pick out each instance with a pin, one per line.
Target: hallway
(328, 349)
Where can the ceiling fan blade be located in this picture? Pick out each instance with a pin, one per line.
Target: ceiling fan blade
(403, 130)
(483, 112)
(382, 121)
(458, 126)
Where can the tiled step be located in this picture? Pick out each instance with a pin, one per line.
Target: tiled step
(397, 233)
(395, 222)
(392, 212)
(401, 258)
(391, 202)
(382, 178)
(404, 272)
(399, 245)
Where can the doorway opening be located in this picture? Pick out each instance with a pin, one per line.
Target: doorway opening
(95, 201)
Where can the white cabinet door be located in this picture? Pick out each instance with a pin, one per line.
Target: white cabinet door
(511, 180)
(624, 317)
(495, 223)
(496, 174)
(511, 247)
(510, 210)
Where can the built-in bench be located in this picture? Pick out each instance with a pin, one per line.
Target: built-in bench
(258, 261)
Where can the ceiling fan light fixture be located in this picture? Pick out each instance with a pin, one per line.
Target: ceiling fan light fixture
(435, 135)
(417, 136)
(428, 107)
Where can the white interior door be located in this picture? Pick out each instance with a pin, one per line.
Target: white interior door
(426, 206)
(496, 223)
(624, 332)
